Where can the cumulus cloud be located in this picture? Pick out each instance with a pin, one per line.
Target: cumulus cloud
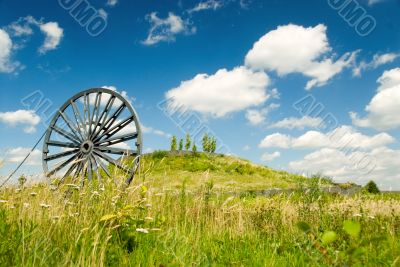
(298, 123)
(27, 118)
(6, 46)
(384, 109)
(270, 156)
(380, 164)
(221, 93)
(296, 49)
(205, 5)
(258, 116)
(151, 130)
(53, 34)
(276, 140)
(377, 60)
(342, 137)
(165, 30)
(16, 155)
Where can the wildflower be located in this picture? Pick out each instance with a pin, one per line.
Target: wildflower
(45, 206)
(33, 194)
(149, 218)
(148, 205)
(371, 217)
(142, 230)
(12, 207)
(155, 229)
(26, 205)
(357, 215)
(3, 201)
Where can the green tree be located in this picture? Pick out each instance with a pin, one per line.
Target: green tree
(213, 145)
(173, 143)
(206, 143)
(187, 144)
(372, 188)
(194, 148)
(181, 144)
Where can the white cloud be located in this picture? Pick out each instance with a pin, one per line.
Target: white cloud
(28, 118)
(270, 157)
(53, 35)
(384, 109)
(151, 130)
(205, 5)
(276, 140)
(16, 155)
(6, 46)
(224, 92)
(112, 2)
(343, 137)
(381, 164)
(255, 117)
(373, 2)
(258, 116)
(165, 30)
(377, 60)
(103, 13)
(298, 123)
(296, 49)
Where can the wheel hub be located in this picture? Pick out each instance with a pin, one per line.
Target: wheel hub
(87, 147)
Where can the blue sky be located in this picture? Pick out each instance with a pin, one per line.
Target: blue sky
(237, 65)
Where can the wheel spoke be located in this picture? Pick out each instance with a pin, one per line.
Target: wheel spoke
(100, 162)
(117, 151)
(86, 113)
(79, 119)
(71, 126)
(61, 165)
(117, 139)
(112, 161)
(97, 169)
(65, 134)
(60, 155)
(73, 167)
(110, 121)
(61, 144)
(89, 169)
(115, 129)
(104, 116)
(96, 111)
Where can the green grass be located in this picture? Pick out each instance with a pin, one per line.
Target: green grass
(179, 213)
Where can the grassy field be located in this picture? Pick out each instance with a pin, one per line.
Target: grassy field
(198, 210)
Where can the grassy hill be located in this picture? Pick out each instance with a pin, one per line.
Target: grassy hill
(171, 170)
(173, 214)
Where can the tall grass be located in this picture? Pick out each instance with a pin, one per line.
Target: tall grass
(41, 227)
(197, 223)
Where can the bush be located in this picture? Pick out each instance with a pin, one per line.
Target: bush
(372, 188)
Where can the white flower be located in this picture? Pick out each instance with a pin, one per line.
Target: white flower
(33, 194)
(26, 205)
(357, 215)
(155, 229)
(3, 201)
(45, 206)
(142, 230)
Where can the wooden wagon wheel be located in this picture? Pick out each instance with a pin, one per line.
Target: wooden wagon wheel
(93, 130)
